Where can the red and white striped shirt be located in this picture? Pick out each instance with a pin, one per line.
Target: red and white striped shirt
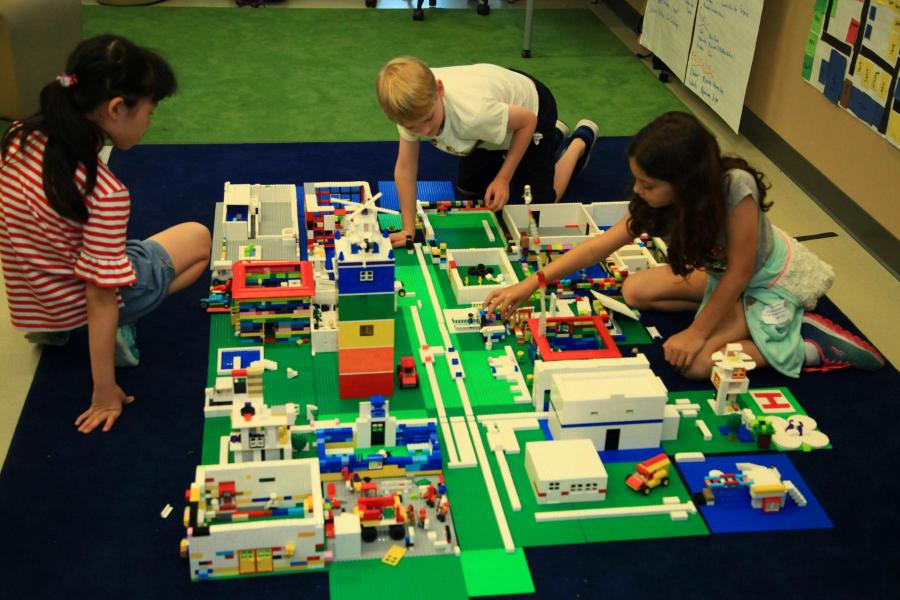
(47, 258)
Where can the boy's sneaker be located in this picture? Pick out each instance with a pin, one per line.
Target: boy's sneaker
(837, 347)
(588, 131)
(48, 338)
(127, 353)
(562, 139)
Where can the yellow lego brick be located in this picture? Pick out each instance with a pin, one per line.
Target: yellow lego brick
(394, 555)
(769, 488)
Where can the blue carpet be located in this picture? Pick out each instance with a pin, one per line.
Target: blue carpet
(81, 513)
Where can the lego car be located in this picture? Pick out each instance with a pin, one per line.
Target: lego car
(215, 300)
(407, 373)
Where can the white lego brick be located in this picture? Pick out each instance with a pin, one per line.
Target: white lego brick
(707, 434)
(606, 513)
(684, 457)
(463, 442)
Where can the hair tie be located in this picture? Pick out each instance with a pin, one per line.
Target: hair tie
(66, 80)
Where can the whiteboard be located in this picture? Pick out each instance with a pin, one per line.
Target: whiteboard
(714, 55)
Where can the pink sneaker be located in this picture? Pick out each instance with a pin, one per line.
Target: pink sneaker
(838, 348)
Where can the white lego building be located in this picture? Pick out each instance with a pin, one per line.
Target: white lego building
(259, 517)
(467, 288)
(254, 222)
(260, 433)
(565, 471)
(619, 405)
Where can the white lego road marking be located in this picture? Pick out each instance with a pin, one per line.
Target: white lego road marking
(508, 482)
(450, 447)
(614, 305)
(704, 429)
(490, 484)
(464, 445)
(625, 511)
(487, 230)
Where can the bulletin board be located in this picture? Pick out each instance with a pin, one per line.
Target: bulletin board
(851, 56)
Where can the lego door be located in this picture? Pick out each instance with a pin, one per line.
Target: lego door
(612, 439)
(377, 433)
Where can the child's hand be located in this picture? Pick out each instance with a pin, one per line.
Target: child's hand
(497, 194)
(682, 348)
(398, 238)
(106, 406)
(508, 299)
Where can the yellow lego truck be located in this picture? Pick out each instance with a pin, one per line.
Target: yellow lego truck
(649, 474)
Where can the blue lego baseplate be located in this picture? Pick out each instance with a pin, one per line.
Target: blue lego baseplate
(425, 190)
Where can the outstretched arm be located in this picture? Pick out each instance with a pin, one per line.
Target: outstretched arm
(107, 398)
(587, 253)
(405, 172)
(522, 122)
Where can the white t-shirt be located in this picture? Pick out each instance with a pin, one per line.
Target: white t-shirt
(476, 107)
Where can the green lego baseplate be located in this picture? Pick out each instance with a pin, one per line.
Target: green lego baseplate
(484, 567)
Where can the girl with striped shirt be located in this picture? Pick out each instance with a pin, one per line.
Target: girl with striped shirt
(64, 215)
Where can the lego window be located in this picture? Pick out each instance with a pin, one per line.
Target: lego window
(553, 485)
(257, 440)
(366, 330)
(367, 275)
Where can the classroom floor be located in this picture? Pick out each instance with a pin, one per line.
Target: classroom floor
(864, 290)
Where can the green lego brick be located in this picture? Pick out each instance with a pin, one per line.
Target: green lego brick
(365, 307)
(496, 573)
(464, 230)
(690, 439)
(640, 527)
(413, 578)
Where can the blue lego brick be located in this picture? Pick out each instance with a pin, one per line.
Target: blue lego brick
(732, 512)
(247, 356)
(382, 278)
(743, 434)
(425, 190)
(635, 455)
(301, 219)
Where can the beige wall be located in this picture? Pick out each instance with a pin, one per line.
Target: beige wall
(854, 157)
(851, 155)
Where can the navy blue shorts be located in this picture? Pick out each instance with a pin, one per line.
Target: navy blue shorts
(154, 270)
(537, 167)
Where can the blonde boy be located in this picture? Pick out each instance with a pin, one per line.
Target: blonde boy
(501, 123)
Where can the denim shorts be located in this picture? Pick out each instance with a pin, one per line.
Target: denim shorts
(154, 271)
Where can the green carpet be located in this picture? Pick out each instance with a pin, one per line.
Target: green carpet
(308, 75)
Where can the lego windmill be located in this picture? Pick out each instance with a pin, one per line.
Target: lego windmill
(365, 280)
(729, 375)
(362, 226)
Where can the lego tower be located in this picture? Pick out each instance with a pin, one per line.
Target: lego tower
(365, 267)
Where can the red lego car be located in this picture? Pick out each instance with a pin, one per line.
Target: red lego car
(406, 372)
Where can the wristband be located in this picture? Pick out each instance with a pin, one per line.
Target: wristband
(542, 280)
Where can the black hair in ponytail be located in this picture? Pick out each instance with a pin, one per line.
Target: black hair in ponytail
(99, 69)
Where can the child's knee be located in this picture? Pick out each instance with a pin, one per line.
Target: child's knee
(699, 370)
(200, 237)
(631, 294)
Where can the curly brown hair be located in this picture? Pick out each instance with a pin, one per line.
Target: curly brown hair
(677, 149)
